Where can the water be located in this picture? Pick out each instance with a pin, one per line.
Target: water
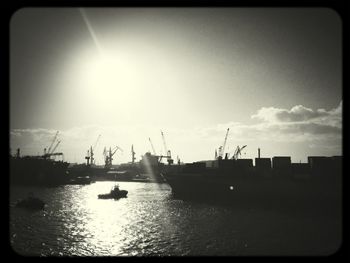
(151, 222)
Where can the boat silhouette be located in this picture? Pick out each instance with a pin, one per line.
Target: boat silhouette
(115, 193)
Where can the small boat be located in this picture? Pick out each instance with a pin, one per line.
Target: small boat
(31, 203)
(115, 193)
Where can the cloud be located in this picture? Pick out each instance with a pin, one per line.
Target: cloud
(34, 136)
(302, 122)
(299, 113)
(295, 125)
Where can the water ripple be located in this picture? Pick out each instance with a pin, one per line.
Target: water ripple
(151, 223)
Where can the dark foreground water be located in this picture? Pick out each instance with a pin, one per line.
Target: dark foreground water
(151, 222)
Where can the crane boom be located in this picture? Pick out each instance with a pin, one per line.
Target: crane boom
(168, 152)
(92, 149)
(115, 149)
(109, 155)
(164, 144)
(238, 152)
(98, 137)
(224, 144)
(235, 154)
(132, 154)
(154, 152)
(54, 148)
(53, 141)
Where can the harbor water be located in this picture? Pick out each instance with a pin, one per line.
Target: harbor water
(150, 222)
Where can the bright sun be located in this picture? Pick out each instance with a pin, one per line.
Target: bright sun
(109, 79)
(112, 84)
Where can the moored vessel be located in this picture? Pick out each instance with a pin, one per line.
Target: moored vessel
(37, 170)
(228, 181)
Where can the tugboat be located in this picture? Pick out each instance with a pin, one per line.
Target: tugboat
(115, 193)
(31, 202)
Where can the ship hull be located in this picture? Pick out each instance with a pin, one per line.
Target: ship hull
(37, 171)
(122, 194)
(215, 186)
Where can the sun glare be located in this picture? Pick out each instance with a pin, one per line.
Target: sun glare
(108, 84)
(108, 79)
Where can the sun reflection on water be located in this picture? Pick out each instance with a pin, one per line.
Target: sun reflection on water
(115, 227)
(150, 222)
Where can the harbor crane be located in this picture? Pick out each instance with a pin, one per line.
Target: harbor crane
(98, 137)
(54, 148)
(53, 141)
(132, 154)
(178, 160)
(238, 152)
(51, 151)
(105, 152)
(92, 149)
(90, 154)
(222, 148)
(109, 155)
(87, 157)
(154, 152)
(168, 152)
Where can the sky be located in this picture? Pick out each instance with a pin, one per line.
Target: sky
(273, 76)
